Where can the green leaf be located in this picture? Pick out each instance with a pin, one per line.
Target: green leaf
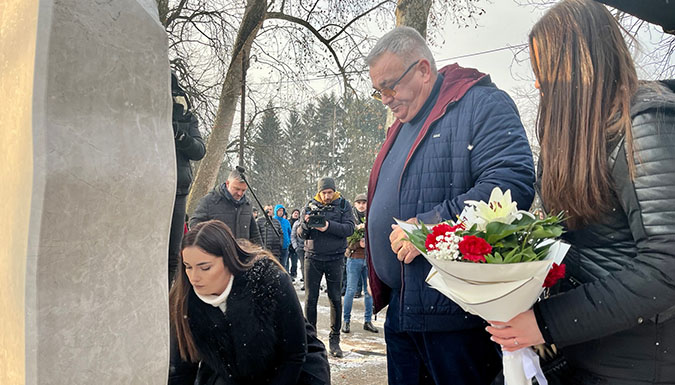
(511, 256)
(496, 231)
(541, 232)
(494, 258)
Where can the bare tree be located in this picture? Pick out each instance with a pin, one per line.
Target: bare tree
(212, 42)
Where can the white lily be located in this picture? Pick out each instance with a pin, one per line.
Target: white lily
(500, 208)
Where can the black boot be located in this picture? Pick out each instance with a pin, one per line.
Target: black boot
(334, 347)
(345, 327)
(370, 327)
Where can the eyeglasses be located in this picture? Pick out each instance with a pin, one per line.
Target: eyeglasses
(389, 91)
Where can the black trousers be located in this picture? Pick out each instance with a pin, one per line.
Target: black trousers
(177, 225)
(314, 271)
(301, 259)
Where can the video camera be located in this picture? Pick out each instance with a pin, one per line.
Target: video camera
(316, 218)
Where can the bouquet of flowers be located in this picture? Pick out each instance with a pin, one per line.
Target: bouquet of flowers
(357, 235)
(494, 261)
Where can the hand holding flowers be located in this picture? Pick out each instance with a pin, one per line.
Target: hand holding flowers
(495, 261)
(404, 250)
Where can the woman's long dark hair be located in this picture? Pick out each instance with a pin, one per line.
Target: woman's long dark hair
(587, 79)
(214, 237)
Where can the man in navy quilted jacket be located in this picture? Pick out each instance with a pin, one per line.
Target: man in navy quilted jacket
(455, 138)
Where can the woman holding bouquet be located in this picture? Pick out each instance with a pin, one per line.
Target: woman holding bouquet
(235, 312)
(608, 161)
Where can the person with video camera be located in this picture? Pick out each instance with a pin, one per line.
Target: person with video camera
(189, 146)
(327, 222)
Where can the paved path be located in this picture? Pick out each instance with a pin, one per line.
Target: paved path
(364, 362)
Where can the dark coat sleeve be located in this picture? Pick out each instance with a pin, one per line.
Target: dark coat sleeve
(180, 372)
(303, 231)
(290, 326)
(189, 141)
(201, 213)
(500, 157)
(626, 298)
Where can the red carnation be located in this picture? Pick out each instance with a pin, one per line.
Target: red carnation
(474, 248)
(442, 229)
(438, 230)
(556, 273)
(430, 243)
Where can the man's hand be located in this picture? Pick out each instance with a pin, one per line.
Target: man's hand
(360, 226)
(405, 251)
(322, 229)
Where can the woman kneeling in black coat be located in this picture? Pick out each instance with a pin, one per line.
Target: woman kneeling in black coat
(235, 312)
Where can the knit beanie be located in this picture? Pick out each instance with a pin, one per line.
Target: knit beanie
(325, 183)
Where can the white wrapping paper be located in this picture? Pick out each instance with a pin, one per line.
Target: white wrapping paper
(497, 292)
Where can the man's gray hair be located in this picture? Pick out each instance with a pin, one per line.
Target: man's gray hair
(405, 43)
(235, 175)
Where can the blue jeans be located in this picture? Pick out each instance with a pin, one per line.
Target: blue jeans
(283, 258)
(357, 270)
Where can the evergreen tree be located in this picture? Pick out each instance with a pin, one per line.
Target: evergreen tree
(365, 133)
(268, 159)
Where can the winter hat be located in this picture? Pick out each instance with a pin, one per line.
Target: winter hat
(361, 197)
(325, 183)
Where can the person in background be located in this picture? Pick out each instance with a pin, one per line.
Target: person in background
(359, 210)
(324, 251)
(292, 254)
(456, 137)
(607, 161)
(357, 270)
(270, 232)
(229, 204)
(280, 215)
(299, 247)
(189, 146)
(235, 317)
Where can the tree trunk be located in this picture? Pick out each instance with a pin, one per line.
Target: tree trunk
(411, 13)
(163, 8)
(216, 147)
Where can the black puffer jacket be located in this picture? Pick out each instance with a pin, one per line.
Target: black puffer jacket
(332, 243)
(262, 338)
(616, 319)
(189, 146)
(237, 215)
(270, 239)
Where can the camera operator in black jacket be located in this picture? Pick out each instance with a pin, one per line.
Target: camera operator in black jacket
(189, 146)
(327, 222)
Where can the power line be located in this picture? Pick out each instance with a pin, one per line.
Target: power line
(327, 76)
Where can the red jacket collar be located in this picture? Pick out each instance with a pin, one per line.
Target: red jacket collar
(456, 82)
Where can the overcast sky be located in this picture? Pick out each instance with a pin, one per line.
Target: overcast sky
(484, 47)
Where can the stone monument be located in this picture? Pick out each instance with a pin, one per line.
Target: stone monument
(87, 182)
